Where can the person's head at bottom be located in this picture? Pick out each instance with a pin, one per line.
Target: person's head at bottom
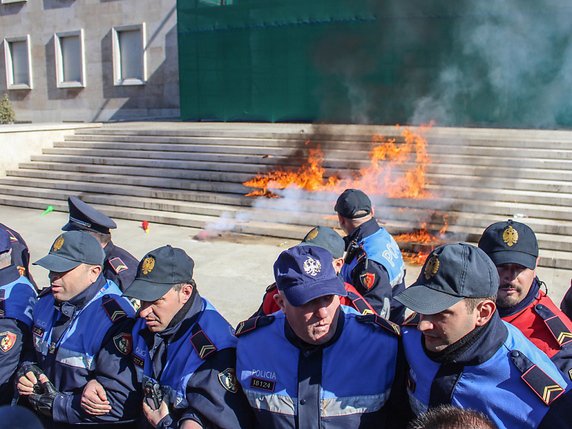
(309, 292)
(454, 294)
(450, 417)
(164, 284)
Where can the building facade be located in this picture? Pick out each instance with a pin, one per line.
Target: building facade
(89, 60)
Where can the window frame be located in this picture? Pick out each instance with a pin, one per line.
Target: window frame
(116, 51)
(8, 62)
(60, 82)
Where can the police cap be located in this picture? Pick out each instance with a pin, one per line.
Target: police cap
(326, 238)
(71, 249)
(84, 217)
(353, 204)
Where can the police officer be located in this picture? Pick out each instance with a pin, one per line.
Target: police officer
(17, 299)
(316, 363)
(461, 353)
(81, 332)
(330, 240)
(184, 350)
(374, 264)
(119, 266)
(20, 253)
(513, 248)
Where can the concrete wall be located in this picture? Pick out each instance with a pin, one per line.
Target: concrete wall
(99, 100)
(19, 142)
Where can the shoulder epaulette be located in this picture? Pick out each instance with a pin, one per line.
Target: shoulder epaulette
(45, 291)
(113, 309)
(412, 320)
(374, 319)
(201, 342)
(117, 264)
(252, 324)
(539, 382)
(271, 287)
(555, 325)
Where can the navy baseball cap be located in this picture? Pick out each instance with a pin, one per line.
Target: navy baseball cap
(326, 238)
(451, 273)
(5, 241)
(304, 273)
(71, 249)
(159, 271)
(510, 242)
(84, 217)
(353, 204)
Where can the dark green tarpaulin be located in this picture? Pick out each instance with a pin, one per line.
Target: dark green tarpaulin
(374, 61)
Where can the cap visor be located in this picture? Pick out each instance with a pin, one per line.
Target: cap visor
(424, 300)
(146, 291)
(57, 264)
(514, 257)
(303, 294)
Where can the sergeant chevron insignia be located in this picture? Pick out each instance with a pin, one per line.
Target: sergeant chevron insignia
(118, 265)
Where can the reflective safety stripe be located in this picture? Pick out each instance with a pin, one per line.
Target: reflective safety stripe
(280, 404)
(330, 407)
(75, 359)
(335, 407)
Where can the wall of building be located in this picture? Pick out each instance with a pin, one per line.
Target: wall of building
(100, 99)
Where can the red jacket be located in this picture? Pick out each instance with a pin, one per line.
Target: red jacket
(544, 324)
(354, 300)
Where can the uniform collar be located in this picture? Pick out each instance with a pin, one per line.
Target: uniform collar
(364, 230)
(528, 299)
(108, 249)
(9, 274)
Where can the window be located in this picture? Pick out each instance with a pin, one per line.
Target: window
(129, 66)
(70, 59)
(18, 62)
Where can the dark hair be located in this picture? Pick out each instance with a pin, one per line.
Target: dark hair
(450, 417)
(472, 303)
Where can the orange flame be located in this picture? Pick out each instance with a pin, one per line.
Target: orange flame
(396, 169)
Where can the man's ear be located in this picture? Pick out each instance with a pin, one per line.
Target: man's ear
(279, 300)
(94, 271)
(485, 310)
(186, 291)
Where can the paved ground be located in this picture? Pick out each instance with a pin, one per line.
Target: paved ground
(230, 271)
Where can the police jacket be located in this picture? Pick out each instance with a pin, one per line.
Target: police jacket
(88, 337)
(20, 253)
(120, 266)
(344, 383)
(538, 318)
(497, 371)
(375, 267)
(353, 299)
(566, 304)
(193, 360)
(17, 299)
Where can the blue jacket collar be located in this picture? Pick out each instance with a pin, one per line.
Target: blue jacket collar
(364, 230)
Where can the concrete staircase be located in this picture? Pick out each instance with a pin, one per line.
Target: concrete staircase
(191, 174)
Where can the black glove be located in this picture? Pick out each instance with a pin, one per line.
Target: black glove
(35, 369)
(44, 402)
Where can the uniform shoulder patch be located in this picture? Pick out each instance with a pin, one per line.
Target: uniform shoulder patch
(228, 380)
(554, 324)
(374, 319)
(117, 264)
(7, 341)
(252, 324)
(123, 343)
(367, 280)
(113, 309)
(547, 389)
(202, 343)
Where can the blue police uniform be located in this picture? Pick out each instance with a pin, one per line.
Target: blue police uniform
(374, 266)
(17, 300)
(498, 372)
(344, 383)
(193, 360)
(88, 337)
(20, 253)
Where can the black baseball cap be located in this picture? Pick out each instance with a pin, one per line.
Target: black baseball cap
(159, 271)
(304, 273)
(326, 238)
(71, 249)
(451, 273)
(84, 217)
(510, 242)
(353, 204)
